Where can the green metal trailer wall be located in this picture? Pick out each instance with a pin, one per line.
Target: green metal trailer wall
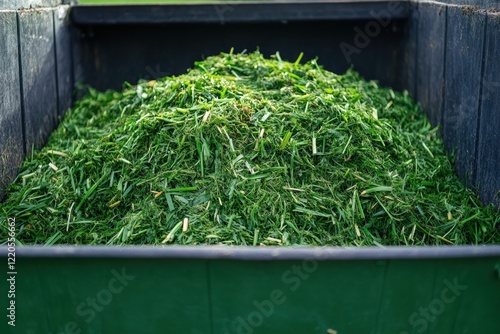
(219, 290)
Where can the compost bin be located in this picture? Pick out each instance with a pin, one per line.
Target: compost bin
(444, 53)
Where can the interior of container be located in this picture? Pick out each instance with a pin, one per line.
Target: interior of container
(443, 53)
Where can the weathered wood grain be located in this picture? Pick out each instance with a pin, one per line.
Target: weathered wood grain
(488, 155)
(406, 64)
(11, 131)
(38, 76)
(464, 54)
(64, 62)
(17, 4)
(475, 3)
(431, 59)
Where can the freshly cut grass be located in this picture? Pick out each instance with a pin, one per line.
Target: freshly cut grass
(244, 150)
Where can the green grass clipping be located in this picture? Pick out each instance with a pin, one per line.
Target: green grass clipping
(244, 150)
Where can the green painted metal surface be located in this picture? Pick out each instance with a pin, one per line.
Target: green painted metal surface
(200, 293)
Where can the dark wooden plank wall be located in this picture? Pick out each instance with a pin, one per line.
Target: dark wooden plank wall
(23, 4)
(488, 137)
(464, 53)
(485, 4)
(430, 59)
(11, 124)
(38, 65)
(458, 79)
(64, 59)
(406, 67)
(36, 78)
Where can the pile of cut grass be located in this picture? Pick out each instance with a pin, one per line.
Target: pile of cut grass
(244, 150)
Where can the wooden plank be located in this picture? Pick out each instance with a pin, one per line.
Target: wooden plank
(480, 3)
(408, 51)
(464, 53)
(11, 131)
(15, 4)
(81, 59)
(488, 158)
(38, 76)
(234, 12)
(65, 82)
(105, 60)
(431, 59)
